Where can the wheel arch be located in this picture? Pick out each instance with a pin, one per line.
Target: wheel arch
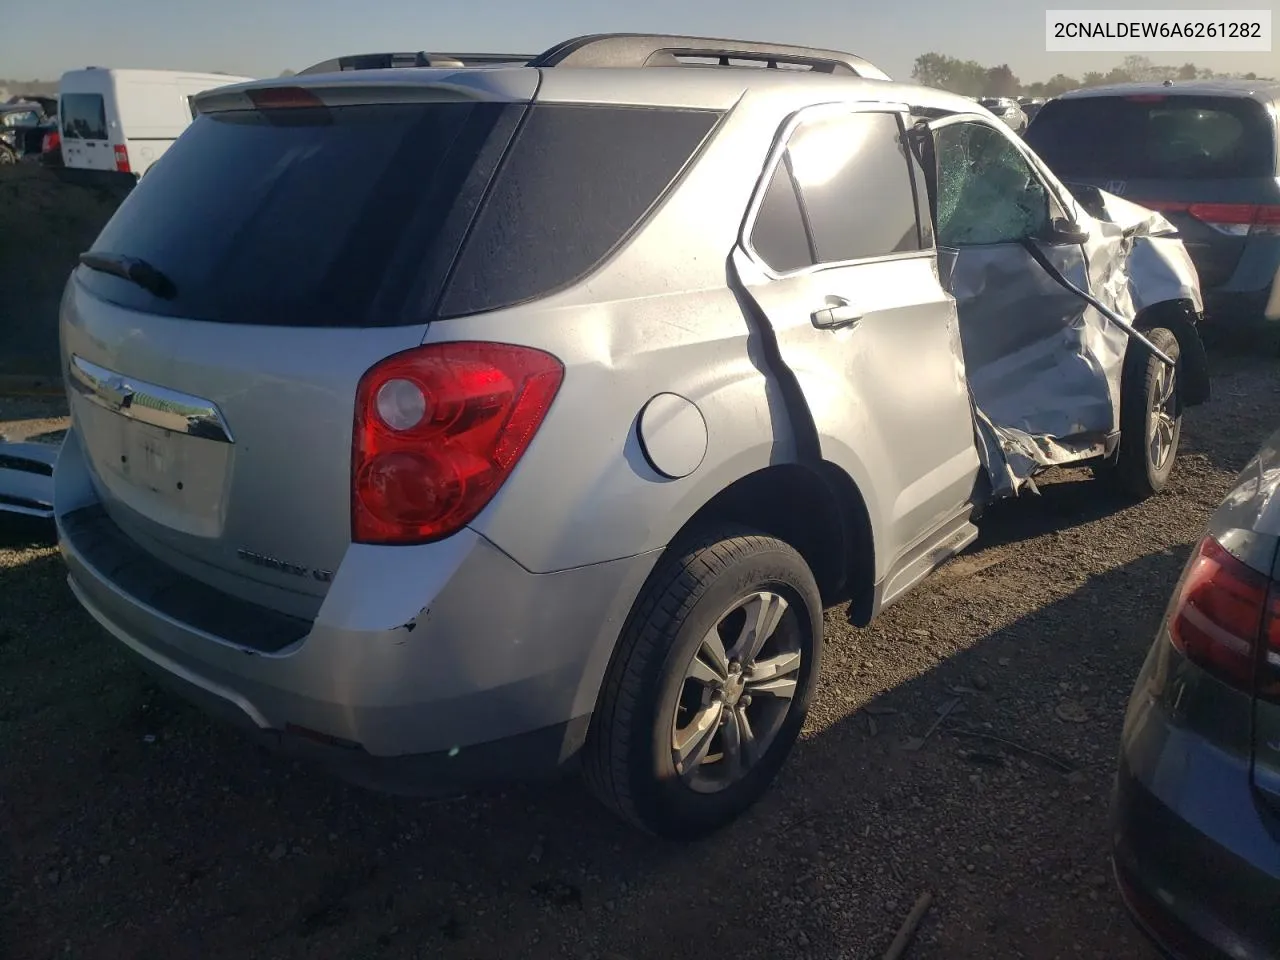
(1180, 317)
(817, 509)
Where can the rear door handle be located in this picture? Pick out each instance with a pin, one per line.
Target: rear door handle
(842, 314)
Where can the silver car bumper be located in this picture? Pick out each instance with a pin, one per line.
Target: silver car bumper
(495, 653)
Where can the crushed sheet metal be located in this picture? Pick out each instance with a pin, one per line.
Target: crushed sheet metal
(1043, 365)
(1037, 359)
(26, 478)
(1156, 265)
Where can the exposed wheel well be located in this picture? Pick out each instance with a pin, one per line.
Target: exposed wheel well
(820, 512)
(1180, 318)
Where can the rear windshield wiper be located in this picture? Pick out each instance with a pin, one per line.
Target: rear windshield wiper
(132, 269)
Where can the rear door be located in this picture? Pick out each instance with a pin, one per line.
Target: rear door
(1207, 162)
(86, 138)
(1042, 365)
(836, 257)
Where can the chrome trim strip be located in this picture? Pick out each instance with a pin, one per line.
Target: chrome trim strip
(148, 402)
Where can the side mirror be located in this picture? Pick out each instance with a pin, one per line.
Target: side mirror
(1063, 232)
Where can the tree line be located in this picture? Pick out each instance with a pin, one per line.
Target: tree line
(972, 79)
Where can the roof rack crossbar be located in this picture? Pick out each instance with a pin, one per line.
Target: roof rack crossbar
(648, 50)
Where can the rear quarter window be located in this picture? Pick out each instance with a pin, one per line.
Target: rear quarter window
(577, 181)
(84, 116)
(1157, 137)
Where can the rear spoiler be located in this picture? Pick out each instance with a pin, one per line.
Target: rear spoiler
(395, 61)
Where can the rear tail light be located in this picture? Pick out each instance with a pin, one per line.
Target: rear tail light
(1237, 219)
(122, 159)
(51, 142)
(1222, 609)
(1232, 219)
(438, 429)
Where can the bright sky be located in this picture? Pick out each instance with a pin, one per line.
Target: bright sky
(264, 37)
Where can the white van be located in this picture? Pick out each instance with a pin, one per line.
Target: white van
(123, 120)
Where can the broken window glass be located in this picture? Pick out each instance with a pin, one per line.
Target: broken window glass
(987, 191)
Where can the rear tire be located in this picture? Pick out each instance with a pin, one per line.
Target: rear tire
(7, 157)
(684, 739)
(1150, 417)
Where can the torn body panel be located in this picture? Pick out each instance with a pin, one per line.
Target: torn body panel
(1135, 255)
(1043, 363)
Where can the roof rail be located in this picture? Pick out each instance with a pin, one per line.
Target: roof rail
(656, 50)
(420, 58)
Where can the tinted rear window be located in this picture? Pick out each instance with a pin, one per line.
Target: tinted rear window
(84, 116)
(576, 182)
(354, 216)
(1160, 137)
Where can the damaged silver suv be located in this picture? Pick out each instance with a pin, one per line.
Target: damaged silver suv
(490, 415)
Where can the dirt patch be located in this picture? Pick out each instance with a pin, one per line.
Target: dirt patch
(136, 828)
(45, 224)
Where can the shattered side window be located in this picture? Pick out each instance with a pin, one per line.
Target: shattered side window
(987, 191)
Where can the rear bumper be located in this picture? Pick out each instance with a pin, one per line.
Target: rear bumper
(1236, 308)
(1241, 300)
(493, 673)
(1195, 858)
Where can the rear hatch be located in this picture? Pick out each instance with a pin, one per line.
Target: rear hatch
(1207, 162)
(295, 237)
(282, 248)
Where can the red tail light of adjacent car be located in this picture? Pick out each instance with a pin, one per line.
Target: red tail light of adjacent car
(1223, 610)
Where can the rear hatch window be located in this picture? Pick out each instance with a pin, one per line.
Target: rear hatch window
(1155, 137)
(84, 116)
(356, 216)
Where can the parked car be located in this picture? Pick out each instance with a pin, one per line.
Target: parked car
(23, 127)
(373, 349)
(1008, 110)
(123, 121)
(1031, 106)
(1197, 802)
(1202, 152)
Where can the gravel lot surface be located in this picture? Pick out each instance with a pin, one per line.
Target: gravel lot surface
(134, 828)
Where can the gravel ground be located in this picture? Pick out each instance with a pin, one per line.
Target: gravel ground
(135, 828)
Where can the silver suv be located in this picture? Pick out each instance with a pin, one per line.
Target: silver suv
(458, 421)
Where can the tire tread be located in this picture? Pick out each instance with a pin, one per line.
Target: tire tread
(666, 600)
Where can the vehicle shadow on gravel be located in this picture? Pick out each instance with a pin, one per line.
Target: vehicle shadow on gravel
(19, 532)
(985, 779)
(179, 839)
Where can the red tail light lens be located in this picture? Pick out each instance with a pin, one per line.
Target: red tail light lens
(1218, 614)
(122, 159)
(1237, 219)
(438, 429)
(51, 142)
(1267, 220)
